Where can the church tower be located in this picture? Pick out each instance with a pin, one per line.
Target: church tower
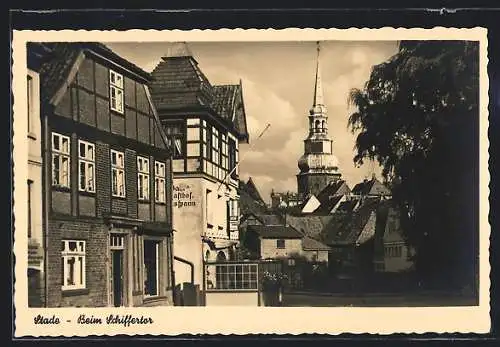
(318, 166)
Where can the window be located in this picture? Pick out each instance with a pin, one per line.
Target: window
(117, 173)
(280, 243)
(30, 187)
(159, 181)
(209, 144)
(86, 166)
(215, 146)
(30, 101)
(73, 264)
(176, 138)
(232, 277)
(233, 209)
(151, 268)
(116, 91)
(291, 262)
(60, 160)
(143, 178)
(232, 158)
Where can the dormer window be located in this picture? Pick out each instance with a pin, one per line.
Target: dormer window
(116, 91)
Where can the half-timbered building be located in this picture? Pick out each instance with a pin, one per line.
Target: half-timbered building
(107, 181)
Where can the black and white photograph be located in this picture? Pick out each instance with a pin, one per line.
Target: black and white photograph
(265, 173)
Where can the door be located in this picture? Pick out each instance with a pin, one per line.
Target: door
(117, 276)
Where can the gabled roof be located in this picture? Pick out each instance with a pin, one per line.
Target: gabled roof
(275, 231)
(249, 201)
(330, 190)
(179, 84)
(252, 190)
(328, 204)
(61, 58)
(371, 187)
(348, 205)
(310, 244)
(346, 228)
(311, 225)
(60, 62)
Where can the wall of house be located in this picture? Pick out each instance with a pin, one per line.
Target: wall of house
(83, 113)
(36, 281)
(269, 249)
(396, 253)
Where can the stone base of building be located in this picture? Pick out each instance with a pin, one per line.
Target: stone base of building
(100, 263)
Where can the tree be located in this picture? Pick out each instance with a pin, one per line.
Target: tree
(418, 117)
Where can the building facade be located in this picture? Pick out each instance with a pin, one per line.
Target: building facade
(107, 182)
(205, 124)
(36, 263)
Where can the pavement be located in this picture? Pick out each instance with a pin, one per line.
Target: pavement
(305, 299)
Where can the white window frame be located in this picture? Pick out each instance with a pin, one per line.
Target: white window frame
(79, 272)
(160, 182)
(142, 178)
(87, 160)
(116, 92)
(118, 174)
(62, 156)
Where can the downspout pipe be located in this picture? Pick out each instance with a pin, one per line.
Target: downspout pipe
(191, 265)
(46, 201)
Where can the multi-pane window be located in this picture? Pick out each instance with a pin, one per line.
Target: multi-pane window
(176, 138)
(73, 264)
(232, 158)
(143, 178)
(60, 160)
(151, 267)
(280, 243)
(117, 173)
(116, 91)
(215, 146)
(159, 181)
(233, 209)
(86, 166)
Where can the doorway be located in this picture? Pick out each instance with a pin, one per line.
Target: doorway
(117, 277)
(117, 270)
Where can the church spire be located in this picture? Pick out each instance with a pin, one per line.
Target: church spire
(318, 106)
(318, 87)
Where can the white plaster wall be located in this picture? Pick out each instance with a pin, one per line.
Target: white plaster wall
(232, 299)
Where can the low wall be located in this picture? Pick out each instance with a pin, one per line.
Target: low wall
(232, 299)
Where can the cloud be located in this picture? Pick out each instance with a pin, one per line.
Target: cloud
(278, 80)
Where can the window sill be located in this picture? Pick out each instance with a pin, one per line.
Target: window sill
(75, 292)
(118, 113)
(160, 203)
(32, 135)
(61, 188)
(118, 197)
(86, 193)
(144, 201)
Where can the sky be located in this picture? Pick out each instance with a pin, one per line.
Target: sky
(278, 88)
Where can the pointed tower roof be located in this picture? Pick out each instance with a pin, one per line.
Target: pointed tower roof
(177, 50)
(318, 100)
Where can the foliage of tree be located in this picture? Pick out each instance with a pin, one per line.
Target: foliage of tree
(418, 117)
